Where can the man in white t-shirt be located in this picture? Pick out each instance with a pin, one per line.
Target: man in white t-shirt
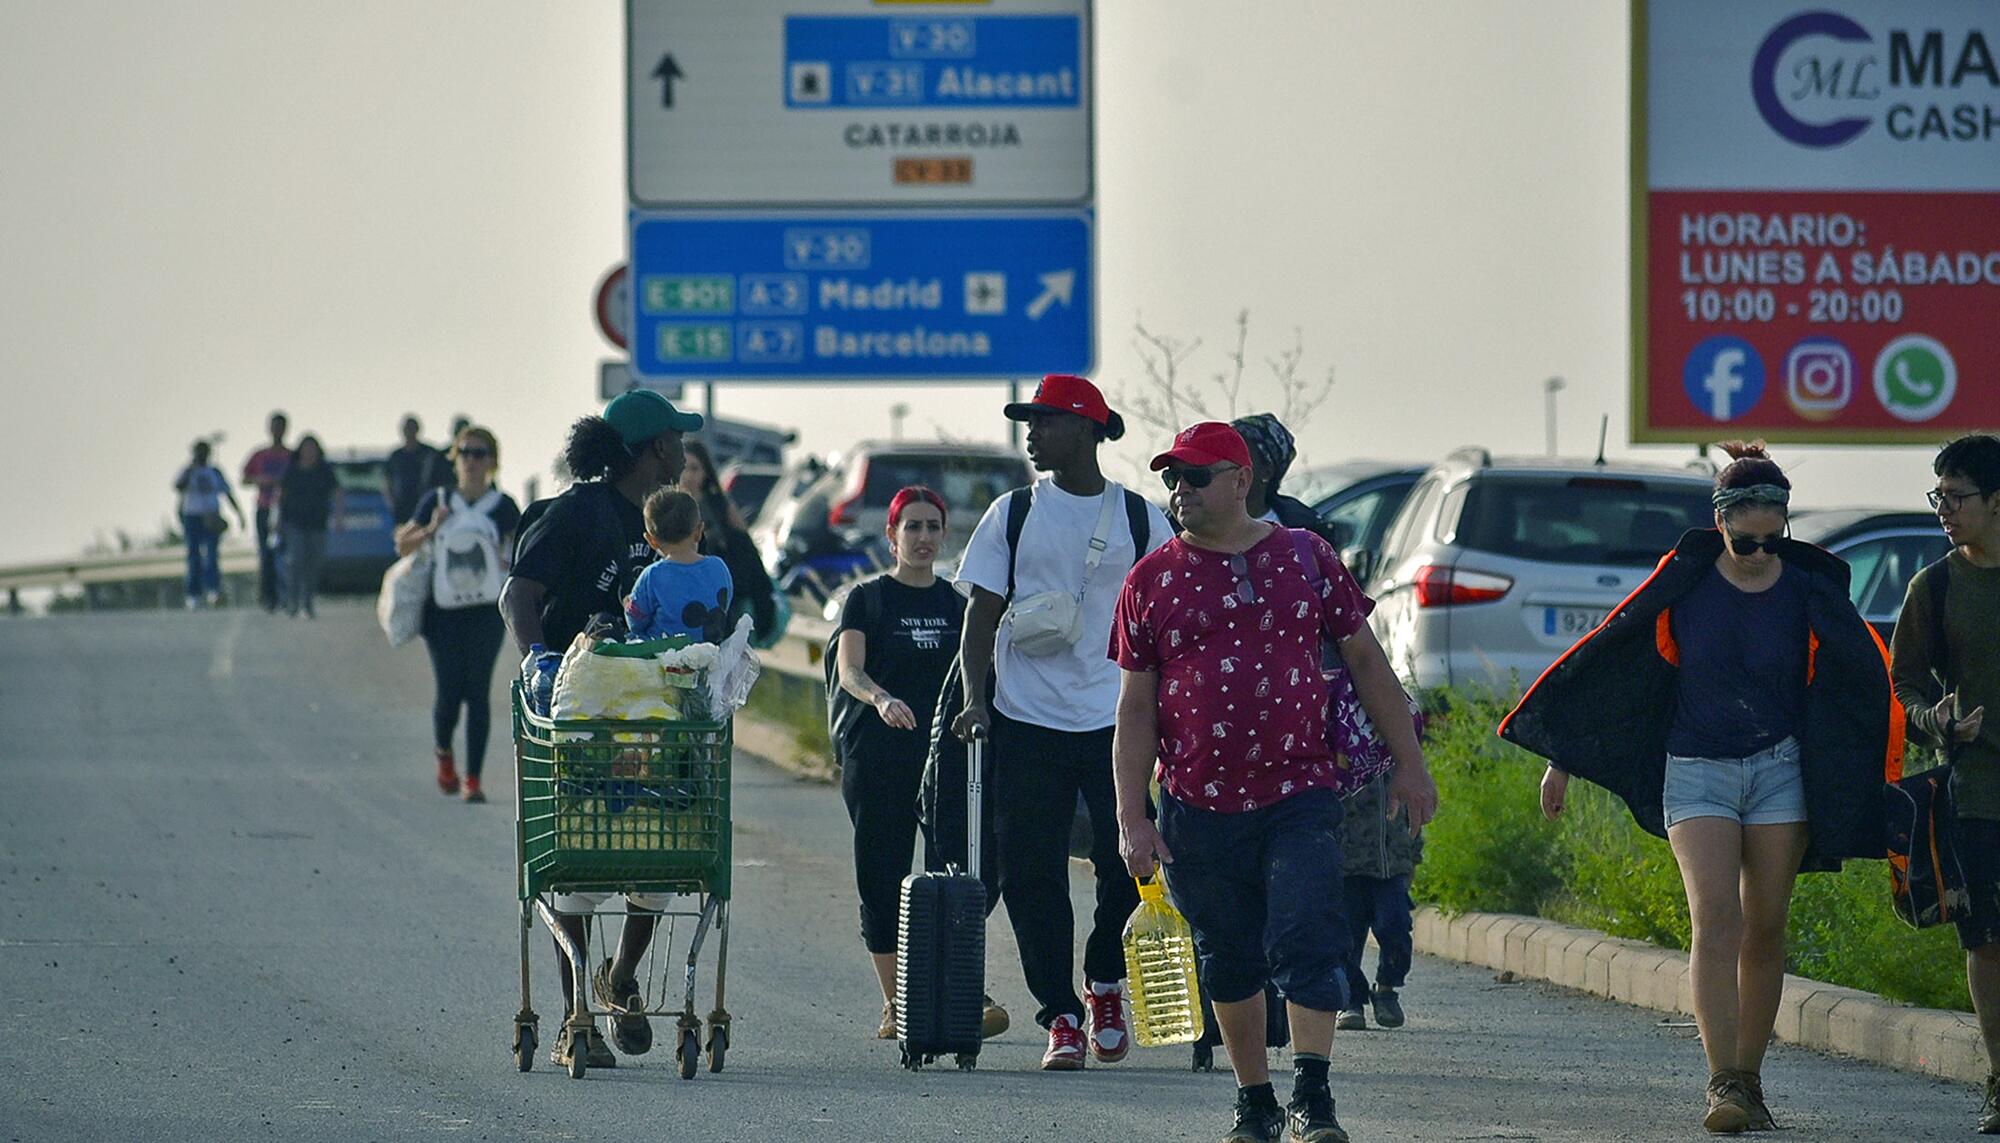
(1051, 716)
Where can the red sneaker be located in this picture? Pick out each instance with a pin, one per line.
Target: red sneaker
(472, 791)
(1065, 1052)
(1110, 1037)
(447, 772)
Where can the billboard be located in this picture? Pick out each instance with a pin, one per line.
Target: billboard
(1815, 220)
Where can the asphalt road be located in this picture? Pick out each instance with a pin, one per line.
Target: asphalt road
(234, 906)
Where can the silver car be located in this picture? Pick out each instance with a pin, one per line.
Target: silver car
(1494, 567)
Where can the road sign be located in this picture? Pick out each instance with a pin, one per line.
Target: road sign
(819, 103)
(612, 302)
(862, 297)
(615, 377)
(1816, 252)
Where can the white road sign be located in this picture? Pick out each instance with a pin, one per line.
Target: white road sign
(789, 103)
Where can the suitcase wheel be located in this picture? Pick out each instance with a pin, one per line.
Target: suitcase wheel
(967, 1061)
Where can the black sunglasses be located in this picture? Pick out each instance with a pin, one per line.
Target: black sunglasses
(1173, 476)
(1745, 546)
(476, 453)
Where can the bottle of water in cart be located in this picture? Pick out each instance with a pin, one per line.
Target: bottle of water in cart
(1160, 971)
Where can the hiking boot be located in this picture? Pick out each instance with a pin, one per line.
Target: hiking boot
(629, 1026)
(1728, 1107)
(1351, 1019)
(992, 1019)
(447, 772)
(888, 1029)
(1065, 1052)
(1753, 1094)
(1989, 1108)
(1310, 1115)
(1259, 1119)
(472, 791)
(1110, 1037)
(1388, 1009)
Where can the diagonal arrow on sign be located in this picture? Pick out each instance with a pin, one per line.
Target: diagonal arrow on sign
(1056, 287)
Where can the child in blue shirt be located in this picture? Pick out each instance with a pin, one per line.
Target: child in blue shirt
(683, 592)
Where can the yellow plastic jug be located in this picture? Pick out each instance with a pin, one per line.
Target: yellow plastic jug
(1160, 971)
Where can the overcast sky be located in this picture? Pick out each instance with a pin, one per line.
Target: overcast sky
(350, 210)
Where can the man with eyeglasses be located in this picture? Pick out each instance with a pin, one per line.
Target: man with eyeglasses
(1945, 689)
(1043, 584)
(1218, 637)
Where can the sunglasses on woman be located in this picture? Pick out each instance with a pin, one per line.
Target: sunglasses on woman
(1174, 476)
(1750, 546)
(476, 453)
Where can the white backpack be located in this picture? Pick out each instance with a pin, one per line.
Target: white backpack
(465, 555)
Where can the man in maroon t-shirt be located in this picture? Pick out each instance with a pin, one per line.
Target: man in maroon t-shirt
(265, 468)
(1218, 635)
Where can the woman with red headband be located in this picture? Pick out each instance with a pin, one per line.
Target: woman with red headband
(897, 636)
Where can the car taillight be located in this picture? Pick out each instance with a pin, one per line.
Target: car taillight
(1449, 587)
(846, 509)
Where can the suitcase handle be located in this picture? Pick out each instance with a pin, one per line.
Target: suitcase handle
(975, 791)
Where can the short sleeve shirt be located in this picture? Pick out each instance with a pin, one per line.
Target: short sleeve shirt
(1743, 666)
(204, 488)
(1242, 703)
(587, 547)
(673, 598)
(264, 469)
(911, 635)
(1076, 690)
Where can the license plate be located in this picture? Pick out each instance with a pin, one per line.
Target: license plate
(1571, 621)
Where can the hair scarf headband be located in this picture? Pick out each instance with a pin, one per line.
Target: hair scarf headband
(1727, 498)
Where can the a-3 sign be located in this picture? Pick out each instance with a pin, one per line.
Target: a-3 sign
(1816, 219)
(845, 190)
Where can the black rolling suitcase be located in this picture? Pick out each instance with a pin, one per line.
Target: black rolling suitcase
(941, 948)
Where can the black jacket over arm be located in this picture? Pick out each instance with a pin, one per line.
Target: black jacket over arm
(1602, 711)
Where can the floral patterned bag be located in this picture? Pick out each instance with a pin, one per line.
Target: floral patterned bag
(1360, 755)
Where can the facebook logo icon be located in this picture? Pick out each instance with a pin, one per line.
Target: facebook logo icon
(1724, 377)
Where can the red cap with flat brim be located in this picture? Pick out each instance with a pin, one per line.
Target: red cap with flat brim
(1067, 393)
(1200, 445)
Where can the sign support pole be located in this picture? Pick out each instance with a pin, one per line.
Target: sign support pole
(1013, 426)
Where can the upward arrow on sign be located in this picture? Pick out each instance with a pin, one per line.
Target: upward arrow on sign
(667, 73)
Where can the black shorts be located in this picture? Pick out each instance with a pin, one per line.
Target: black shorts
(1979, 854)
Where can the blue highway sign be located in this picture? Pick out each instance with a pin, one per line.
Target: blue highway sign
(861, 297)
(933, 61)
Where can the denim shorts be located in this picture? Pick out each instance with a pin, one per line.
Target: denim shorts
(1767, 788)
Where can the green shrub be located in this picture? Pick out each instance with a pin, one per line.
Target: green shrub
(1490, 850)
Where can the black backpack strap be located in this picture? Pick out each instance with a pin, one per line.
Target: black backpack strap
(1018, 503)
(1141, 523)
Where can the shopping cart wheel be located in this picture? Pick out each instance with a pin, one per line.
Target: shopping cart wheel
(524, 1045)
(576, 1062)
(718, 1045)
(911, 1060)
(967, 1061)
(689, 1052)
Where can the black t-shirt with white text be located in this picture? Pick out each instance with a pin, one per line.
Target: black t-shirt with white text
(587, 547)
(911, 638)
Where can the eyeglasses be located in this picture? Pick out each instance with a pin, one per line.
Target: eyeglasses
(1747, 546)
(476, 453)
(1942, 501)
(1174, 476)
(1246, 592)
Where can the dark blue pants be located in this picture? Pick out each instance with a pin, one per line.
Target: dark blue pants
(204, 553)
(1381, 905)
(268, 592)
(1253, 887)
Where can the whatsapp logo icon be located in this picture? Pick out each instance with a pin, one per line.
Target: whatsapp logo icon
(1915, 377)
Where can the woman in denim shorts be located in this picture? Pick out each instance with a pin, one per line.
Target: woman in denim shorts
(1740, 706)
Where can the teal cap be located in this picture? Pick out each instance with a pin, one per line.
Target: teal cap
(639, 415)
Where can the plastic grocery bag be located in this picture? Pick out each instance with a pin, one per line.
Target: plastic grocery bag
(406, 586)
(733, 673)
(597, 684)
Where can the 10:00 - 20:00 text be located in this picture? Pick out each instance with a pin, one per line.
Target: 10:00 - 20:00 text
(1822, 306)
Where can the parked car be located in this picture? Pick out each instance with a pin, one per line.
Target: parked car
(360, 536)
(1883, 547)
(1493, 567)
(846, 511)
(1359, 498)
(749, 485)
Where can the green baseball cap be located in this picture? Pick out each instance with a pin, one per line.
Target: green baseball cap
(639, 415)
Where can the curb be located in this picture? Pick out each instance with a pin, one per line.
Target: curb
(1811, 1014)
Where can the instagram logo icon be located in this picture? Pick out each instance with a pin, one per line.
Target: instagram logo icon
(1819, 378)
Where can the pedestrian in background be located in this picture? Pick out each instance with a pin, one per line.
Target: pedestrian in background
(412, 469)
(202, 488)
(1381, 853)
(1272, 451)
(894, 643)
(1740, 706)
(265, 468)
(726, 536)
(463, 631)
(1055, 699)
(1947, 672)
(306, 495)
(1218, 635)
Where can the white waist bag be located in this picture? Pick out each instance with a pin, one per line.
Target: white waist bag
(1050, 622)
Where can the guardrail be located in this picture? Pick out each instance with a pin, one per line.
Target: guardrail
(125, 567)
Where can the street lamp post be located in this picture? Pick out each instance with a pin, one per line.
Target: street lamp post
(1550, 388)
(897, 412)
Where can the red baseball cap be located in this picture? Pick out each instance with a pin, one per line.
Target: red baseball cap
(1067, 393)
(1200, 445)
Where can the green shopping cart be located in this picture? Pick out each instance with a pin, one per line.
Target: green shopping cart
(627, 807)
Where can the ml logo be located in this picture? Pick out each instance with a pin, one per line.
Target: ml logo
(1820, 80)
